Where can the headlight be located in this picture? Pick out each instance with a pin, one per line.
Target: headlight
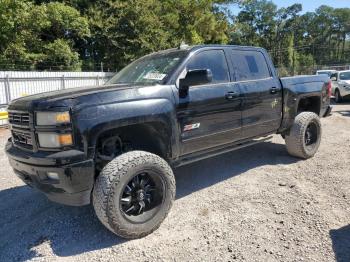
(53, 140)
(52, 118)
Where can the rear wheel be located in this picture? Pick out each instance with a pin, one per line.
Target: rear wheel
(134, 193)
(304, 138)
(338, 97)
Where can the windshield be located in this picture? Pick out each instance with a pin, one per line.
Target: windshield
(149, 69)
(344, 76)
(325, 73)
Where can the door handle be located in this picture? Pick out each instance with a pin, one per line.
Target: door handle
(274, 90)
(231, 95)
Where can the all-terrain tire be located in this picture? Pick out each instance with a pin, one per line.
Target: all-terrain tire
(295, 141)
(109, 186)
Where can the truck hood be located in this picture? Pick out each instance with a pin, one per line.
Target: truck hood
(68, 97)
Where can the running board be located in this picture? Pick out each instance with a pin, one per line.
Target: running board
(215, 152)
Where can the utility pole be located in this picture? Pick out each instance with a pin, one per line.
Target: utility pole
(313, 56)
(293, 61)
(101, 66)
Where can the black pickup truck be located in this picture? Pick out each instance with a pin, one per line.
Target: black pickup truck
(115, 145)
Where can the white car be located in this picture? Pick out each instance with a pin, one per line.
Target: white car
(340, 85)
(326, 72)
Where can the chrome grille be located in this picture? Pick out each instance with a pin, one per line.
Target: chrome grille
(23, 139)
(19, 119)
(22, 135)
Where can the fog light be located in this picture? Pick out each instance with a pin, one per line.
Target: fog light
(52, 175)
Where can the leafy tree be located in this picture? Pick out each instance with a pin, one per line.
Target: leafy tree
(125, 30)
(33, 35)
(81, 34)
(295, 41)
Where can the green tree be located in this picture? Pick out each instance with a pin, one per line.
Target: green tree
(125, 30)
(75, 34)
(295, 41)
(33, 35)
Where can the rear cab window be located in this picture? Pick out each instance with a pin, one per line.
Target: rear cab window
(249, 65)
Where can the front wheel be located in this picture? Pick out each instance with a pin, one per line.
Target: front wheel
(338, 97)
(134, 193)
(304, 138)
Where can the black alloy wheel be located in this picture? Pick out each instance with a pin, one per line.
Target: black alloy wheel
(311, 134)
(142, 196)
(134, 193)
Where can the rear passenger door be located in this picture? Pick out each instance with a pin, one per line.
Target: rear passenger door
(261, 92)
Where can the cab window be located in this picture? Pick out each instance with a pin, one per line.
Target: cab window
(214, 60)
(250, 65)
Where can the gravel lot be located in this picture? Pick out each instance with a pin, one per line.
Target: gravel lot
(255, 204)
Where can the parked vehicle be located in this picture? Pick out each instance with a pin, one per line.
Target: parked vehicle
(116, 145)
(340, 85)
(326, 72)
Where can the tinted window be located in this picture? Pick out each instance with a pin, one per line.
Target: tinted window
(344, 76)
(215, 61)
(250, 65)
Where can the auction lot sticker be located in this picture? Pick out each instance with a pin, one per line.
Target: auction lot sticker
(154, 76)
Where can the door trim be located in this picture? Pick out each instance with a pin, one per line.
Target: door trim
(212, 134)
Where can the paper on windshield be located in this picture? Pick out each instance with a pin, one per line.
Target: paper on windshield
(154, 76)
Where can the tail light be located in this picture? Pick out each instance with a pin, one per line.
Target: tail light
(329, 88)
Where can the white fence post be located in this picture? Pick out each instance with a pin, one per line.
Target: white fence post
(98, 80)
(63, 86)
(7, 90)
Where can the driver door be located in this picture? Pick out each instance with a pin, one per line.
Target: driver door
(210, 114)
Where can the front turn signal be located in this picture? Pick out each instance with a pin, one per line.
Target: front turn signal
(54, 140)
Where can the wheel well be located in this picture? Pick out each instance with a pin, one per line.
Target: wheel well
(310, 104)
(151, 137)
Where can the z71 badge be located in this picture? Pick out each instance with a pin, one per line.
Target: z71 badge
(191, 127)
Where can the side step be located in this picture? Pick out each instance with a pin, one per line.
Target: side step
(218, 151)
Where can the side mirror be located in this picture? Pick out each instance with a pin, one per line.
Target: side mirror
(333, 78)
(193, 78)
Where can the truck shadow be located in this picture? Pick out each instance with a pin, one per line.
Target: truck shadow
(31, 226)
(341, 243)
(208, 172)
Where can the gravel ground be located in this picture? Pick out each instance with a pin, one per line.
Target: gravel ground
(255, 204)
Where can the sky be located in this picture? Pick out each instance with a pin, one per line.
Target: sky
(309, 5)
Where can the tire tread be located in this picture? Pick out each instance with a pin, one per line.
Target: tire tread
(111, 175)
(295, 140)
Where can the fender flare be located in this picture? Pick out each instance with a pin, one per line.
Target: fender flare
(95, 120)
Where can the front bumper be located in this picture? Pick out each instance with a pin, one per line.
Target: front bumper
(74, 181)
